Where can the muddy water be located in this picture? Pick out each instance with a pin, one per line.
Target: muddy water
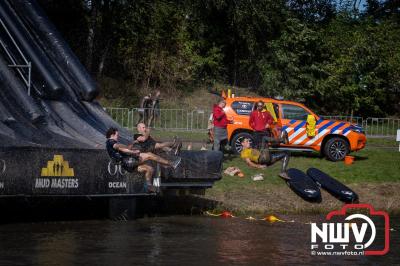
(174, 240)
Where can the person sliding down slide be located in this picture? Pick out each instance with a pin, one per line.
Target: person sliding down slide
(132, 159)
(145, 143)
(262, 158)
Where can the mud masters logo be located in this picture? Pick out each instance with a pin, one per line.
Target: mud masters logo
(362, 231)
(57, 175)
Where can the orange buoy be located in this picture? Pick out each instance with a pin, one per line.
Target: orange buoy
(226, 214)
(348, 159)
(272, 219)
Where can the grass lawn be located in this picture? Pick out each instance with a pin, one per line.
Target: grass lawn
(375, 176)
(382, 142)
(378, 162)
(371, 165)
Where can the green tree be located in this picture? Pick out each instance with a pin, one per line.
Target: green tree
(293, 65)
(361, 67)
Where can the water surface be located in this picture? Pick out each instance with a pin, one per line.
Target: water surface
(174, 240)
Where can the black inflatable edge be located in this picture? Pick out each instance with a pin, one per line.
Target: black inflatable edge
(40, 62)
(340, 197)
(317, 199)
(31, 10)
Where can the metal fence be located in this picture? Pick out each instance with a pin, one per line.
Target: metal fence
(197, 120)
(384, 127)
(171, 119)
(372, 126)
(353, 119)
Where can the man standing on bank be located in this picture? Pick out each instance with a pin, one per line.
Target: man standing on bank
(155, 107)
(144, 109)
(260, 121)
(220, 123)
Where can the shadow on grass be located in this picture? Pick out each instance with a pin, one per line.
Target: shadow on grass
(321, 157)
(307, 155)
(360, 158)
(230, 157)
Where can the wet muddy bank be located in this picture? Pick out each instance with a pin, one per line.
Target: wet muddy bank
(281, 200)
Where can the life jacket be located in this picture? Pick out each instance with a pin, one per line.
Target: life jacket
(311, 125)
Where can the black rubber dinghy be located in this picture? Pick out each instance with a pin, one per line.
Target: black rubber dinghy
(303, 185)
(334, 187)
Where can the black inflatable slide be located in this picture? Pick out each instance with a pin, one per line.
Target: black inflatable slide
(51, 127)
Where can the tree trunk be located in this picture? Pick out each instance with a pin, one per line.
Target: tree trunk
(91, 35)
(103, 59)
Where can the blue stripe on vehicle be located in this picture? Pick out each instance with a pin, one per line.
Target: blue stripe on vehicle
(325, 126)
(299, 125)
(319, 121)
(290, 123)
(337, 127)
(346, 129)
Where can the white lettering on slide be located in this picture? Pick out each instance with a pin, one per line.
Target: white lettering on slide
(42, 183)
(56, 183)
(117, 184)
(64, 183)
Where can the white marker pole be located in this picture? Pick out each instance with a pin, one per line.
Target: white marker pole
(398, 138)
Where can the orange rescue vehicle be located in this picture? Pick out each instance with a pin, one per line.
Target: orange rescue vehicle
(306, 130)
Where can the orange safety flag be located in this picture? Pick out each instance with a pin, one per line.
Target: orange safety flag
(270, 108)
(223, 94)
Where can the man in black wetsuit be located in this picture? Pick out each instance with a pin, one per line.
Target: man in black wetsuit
(133, 158)
(145, 143)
